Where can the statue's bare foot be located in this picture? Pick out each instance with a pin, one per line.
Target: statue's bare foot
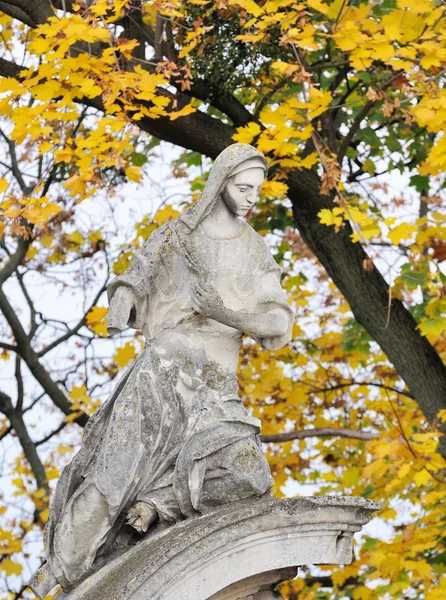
(141, 516)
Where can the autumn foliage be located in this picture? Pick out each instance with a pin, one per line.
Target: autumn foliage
(347, 100)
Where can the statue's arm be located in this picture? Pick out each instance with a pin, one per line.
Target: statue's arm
(273, 323)
(121, 306)
(269, 324)
(128, 294)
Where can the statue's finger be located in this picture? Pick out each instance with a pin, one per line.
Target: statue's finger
(201, 286)
(195, 305)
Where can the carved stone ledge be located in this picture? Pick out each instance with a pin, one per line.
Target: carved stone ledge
(239, 551)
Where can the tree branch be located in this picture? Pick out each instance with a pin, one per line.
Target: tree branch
(15, 259)
(32, 361)
(36, 11)
(29, 449)
(75, 329)
(9, 68)
(278, 438)
(339, 386)
(15, 165)
(17, 13)
(354, 129)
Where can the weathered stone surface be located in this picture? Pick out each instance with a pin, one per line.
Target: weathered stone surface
(241, 550)
(174, 440)
(256, 587)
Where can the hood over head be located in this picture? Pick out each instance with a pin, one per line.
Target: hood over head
(234, 159)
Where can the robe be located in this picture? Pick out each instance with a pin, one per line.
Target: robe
(174, 433)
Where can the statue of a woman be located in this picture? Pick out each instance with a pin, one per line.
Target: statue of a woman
(174, 439)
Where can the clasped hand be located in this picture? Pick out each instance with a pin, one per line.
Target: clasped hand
(207, 301)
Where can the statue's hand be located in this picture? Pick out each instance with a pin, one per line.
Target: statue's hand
(120, 308)
(207, 301)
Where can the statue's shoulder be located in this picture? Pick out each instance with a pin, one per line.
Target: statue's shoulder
(158, 238)
(261, 250)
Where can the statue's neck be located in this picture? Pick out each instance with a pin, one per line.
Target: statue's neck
(221, 222)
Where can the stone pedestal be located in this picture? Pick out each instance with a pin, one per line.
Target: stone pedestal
(240, 551)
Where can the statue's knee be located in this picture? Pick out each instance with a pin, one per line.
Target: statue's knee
(252, 468)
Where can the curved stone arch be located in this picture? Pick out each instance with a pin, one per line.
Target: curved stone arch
(235, 552)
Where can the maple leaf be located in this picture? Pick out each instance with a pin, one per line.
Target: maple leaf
(96, 320)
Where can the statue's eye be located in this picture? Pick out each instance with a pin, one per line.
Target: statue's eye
(243, 189)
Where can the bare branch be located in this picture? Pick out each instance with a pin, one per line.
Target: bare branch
(9, 347)
(20, 386)
(29, 448)
(159, 30)
(279, 438)
(354, 129)
(75, 329)
(15, 259)
(26, 189)
(32, 361)
(339, 386)
(52, 434)
(9, 68)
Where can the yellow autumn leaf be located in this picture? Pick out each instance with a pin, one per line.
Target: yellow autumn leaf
(41, 215)
(44, 514)
(96, 320)
(376, 467)
(45, 147)
(276, 189)
(404, 231)
(78, 394)
(417, 6)
(165, 214)
(76, 185)
(11, 567)
(422, 478)
(52, 473)
(419, 566)
(250, 5)
(331, 217)
(124, 355)
(404, 471)
(186, 110)
(246, 134)
(64, 449)
(363, 593)
(432, 328)
(437, 593)
(3, 185)
(134, 173)
(284, 68)
(319, 6)
(90, 89)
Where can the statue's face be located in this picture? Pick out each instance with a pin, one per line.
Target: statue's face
(240, 192)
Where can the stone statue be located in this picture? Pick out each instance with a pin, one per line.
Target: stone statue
(174, 440)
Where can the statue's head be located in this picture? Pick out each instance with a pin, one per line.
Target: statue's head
(235, 178)
(241, 190)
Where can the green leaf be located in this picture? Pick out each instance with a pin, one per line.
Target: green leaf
(420, 183)
(369, 166)
(411, 278)
(138, 159)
